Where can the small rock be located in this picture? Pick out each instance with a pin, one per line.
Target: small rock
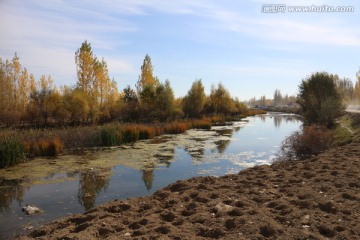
(31, 210)
(221, 207)
(305, 220)
(127, 234)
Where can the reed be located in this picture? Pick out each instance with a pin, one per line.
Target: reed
(175, 127)
(110, 136)
(11, 151)
(201, 124)
(44, 147)
(253, 112)
(130, 133)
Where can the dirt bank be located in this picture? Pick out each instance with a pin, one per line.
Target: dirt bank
(318, 198)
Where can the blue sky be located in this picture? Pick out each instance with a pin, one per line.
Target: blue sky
(252, 53)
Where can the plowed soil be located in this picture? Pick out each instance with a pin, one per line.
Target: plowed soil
(317, 198)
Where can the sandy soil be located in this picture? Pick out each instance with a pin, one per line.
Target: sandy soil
(318, 198)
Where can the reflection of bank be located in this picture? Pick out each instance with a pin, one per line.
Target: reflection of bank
(148, 177)
(10, 190)
(277, 121)
(164, 158)
(91, 183)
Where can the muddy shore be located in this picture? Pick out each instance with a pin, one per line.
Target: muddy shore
(317, 198)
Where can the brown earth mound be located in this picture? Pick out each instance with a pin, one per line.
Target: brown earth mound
(318, 198)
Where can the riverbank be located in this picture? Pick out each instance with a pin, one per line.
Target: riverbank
(20, 145)
(315, 198)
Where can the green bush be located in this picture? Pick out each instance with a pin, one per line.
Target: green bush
(11, 152)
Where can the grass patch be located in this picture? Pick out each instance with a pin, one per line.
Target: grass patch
(11, 151)
(347, 130)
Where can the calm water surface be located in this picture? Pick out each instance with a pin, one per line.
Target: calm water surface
(143, 168)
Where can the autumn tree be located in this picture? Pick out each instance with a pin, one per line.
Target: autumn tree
(76, 104)
(221, 100)
(319, 100)
(43, 101)
(94, 82)
(146, 88)
(6, 90)
(15, 90)
(146, 77)
(193, 102)
(164, 101)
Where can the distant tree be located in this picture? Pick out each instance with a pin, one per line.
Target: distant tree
(240, 107)
(344, 87)
(94, 82)
(278, 99)
(165, 101)
(76, 104)
(146, 77)
(357, 87)
(85, 61)
(319, 100)
(146, 89)
(128, 105)
(129, 95)
(262, 101)
(221, 100)
(11, 85)
(42, 101)
(193, 102)
(23, 91)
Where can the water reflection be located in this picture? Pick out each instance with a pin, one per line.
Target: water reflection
(222, 144)
(10, 190)
(91, 183)
(263, 117)
(277, 121)
(148, 177)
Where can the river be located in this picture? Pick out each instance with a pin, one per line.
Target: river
(74, 183)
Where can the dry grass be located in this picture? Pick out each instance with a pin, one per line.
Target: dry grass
(44, 147)
(175, 127)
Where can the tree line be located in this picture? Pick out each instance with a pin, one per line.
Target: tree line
(347, 90)
(95, 97)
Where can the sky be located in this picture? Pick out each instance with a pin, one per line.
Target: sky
(242, 44)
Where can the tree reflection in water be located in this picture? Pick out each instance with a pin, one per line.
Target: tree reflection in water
(277, 120)
(148, 177)
(148, 171)
(222, 144)
(91, 183)
(262, 117)
(10, 190)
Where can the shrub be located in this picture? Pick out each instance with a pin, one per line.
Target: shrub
(319, 100)
(301, 145)
(11, 151)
